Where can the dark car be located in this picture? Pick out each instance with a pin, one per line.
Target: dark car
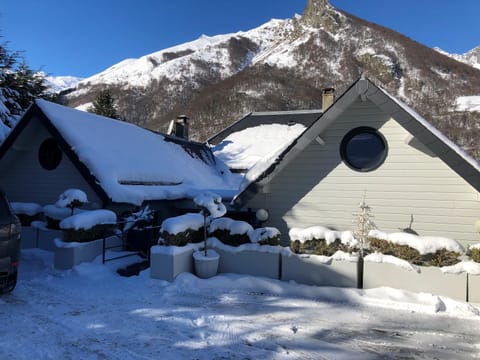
(9, 246)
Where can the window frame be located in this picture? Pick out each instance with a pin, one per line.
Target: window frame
(357, 131)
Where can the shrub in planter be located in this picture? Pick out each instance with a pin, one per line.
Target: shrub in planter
(404, 252)
(181, 230)
(319, 240)
(419, 250)
(88, 225)
(475, 252)
(86, 235)
(230, 232)
(265, 236)
(27, 212)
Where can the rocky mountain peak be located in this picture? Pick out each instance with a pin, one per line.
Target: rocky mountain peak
(321, 14)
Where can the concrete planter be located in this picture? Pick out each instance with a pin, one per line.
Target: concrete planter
(166, 262)
(29, 237)
(474, 288)
(39, 237)
(249, 259)
(206, 266)
(429, 279)
(319, 270)
(68, 255)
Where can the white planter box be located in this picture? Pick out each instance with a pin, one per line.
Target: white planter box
(166, 262)
(46, 238)
(68, 255)
(249, 259)
(474, 288)
(29, 237)
(429, 280)
(313, 270)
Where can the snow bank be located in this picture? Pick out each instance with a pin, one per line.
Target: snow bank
(24, 208)
(174, 250)
(469, 267)
(88, 219)
(69, 196)
(214, 242)
(321, 232)
(389, 259)
(178, 224)
(322, 259)
(423, 244)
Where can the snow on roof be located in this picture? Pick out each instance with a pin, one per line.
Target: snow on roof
(254, 149)
(133, 164)
(243, 149)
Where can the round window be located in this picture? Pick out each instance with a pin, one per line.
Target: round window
(49, 154)
(363, 149)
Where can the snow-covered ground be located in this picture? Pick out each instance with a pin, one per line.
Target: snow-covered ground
(92, 313)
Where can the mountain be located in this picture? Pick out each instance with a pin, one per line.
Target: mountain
(60, 83)
(283, 65)
(471, 57)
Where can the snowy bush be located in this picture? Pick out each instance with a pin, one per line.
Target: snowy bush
(419, 250)
(88, 225)
(230, 232)
(475, 252)
(72, 199)
(181, 230)
(54, 214)
(265, 236)
(138, 219)
(211, 203)
(27, 212)
(320, 240)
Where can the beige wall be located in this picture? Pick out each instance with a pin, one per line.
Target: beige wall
(317, 188)
(23, 179)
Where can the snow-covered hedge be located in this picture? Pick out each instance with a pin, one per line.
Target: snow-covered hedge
(181, 230)
(420, 250)
(27, 212)
(320, 240)
(475, 252)
(88, 225)
(230, 232)
(235, 233)
(54, 215)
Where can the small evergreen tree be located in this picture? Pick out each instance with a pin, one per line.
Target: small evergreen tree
(104, 104)
(364, 224)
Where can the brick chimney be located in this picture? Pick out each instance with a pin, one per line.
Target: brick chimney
(328, 98)
(181, 127)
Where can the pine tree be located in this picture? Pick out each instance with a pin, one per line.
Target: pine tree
(104, 104)
(19, 86)
(364, 224)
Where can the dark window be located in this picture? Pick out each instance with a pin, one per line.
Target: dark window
(49, 154)
(363, 149)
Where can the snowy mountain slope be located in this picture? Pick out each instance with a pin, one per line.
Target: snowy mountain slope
(59, 83)
(471, 57)
(283, 65)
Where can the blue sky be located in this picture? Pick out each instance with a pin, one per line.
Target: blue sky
(84, 37)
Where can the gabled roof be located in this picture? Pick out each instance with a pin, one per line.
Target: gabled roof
(302, 117)
(250, 145)
(125, 163)
(363, 88)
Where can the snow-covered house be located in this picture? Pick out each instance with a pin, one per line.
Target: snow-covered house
(367, 144)
(117, 164)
